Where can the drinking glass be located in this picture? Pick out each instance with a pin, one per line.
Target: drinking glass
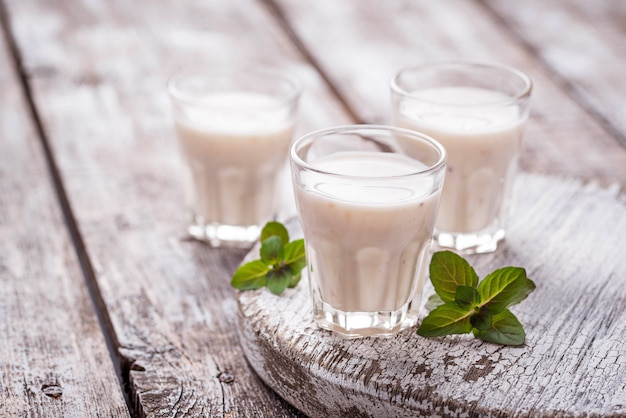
(478, 112)
(234, 128)
(367, 199)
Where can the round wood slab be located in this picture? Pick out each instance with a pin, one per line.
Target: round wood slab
(570, 238)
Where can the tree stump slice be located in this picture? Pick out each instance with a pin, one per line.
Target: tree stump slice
(569, 237)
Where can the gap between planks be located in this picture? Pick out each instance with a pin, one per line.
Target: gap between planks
(277, 13)
(568, 87)
(120, 363)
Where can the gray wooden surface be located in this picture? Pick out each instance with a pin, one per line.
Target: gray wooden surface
(54, 360)
(141, 321)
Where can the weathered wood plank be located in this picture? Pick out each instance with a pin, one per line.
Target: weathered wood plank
(364, 42)
(98, 71)
(53, 358)
(584, 43)
(569, 238)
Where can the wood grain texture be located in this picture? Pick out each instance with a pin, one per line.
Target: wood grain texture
(98, 71)
(584, 44)
(53, 358)
(364, 42)
(568, 236)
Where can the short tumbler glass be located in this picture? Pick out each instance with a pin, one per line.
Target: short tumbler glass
(234, 128)
(367, 199)
(478, 112)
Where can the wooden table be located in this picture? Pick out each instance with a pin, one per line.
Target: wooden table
(107, 309)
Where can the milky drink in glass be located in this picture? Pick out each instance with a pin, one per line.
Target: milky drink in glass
(359, 238)
(368, 218)
(482, 148)
(234, 141)
(482, 130)
(234, 162)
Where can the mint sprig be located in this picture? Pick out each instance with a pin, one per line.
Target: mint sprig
(462, 304)
(280, 265)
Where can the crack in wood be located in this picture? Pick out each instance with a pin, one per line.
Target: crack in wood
(52, 390)
(481, 368)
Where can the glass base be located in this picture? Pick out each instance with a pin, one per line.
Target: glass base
(352, 325)
(478, 243)
(218, 235)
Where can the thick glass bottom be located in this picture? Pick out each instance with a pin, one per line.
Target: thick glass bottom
(219, 235)
(478, 243)
(352, 325)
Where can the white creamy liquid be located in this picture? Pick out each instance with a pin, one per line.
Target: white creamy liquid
(234, 157)
(482, 143)
(367, 247)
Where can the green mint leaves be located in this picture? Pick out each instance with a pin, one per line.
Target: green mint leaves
(280, 265)
(462, 304)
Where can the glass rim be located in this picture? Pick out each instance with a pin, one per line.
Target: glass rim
(229, 71)
(523, 94)
(357, 128)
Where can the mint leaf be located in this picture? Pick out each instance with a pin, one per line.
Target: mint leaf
(294, 251)
(501, 287)
(280, 265)
(295, 259)
(295, 279)
(297, 266)
(462, 305)
(272, 250)
(483, 319)
(446, 319)
(523, 293)
(433, 301)
(466, 297)
(250, 275)
(505, 329)
(278, 280)
(449, 270)
(274, 228)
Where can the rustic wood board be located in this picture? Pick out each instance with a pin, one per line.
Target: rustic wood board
(54, 360)
(364, 42)
(569, 237)
(98, 72)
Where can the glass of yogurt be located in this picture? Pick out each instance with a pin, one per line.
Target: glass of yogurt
(478, 112)
(234, 128)
(367, 198)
